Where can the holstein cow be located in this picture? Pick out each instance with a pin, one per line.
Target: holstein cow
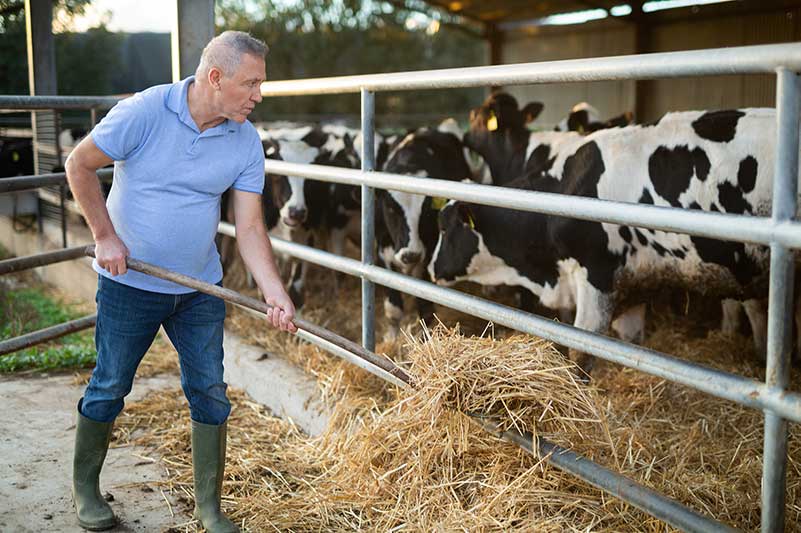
(301, 210)
(712, 161)
(16, 157)
(409, 231)
(406, 225)
(314, 212)
(585, 119)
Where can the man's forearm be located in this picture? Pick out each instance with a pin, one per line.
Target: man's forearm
(257, 252)
(85, 187)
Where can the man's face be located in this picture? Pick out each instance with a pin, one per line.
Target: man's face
(240, 92)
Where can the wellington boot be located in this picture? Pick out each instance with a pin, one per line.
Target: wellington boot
(208, 463)
(91, 445)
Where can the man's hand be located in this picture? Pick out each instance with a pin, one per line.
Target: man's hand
(283, 310)
(111, 253)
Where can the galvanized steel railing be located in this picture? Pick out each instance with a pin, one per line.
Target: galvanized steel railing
(778, 231)
(616, 484)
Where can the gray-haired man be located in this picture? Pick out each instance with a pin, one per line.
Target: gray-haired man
(176, 149)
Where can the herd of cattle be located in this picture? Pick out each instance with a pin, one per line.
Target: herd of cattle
(718, 161)
(721, 161)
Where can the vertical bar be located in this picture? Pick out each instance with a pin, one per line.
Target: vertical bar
(92, 118)
(368, 218)
(194, 28)
(62, 197)
(785, 188)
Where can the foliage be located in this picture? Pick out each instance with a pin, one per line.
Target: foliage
(30, 309)
(13, 50)
(308, 38)
(314, 38)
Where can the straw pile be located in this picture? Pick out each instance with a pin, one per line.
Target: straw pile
(413, 463)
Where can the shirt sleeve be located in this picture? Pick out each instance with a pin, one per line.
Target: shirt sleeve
(252, 177)
(123, 130)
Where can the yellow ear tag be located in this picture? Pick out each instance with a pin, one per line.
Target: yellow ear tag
(15, 156)
(470, 221)
(492, 122)
(438, 203)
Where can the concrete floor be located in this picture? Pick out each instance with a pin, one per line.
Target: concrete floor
(37, 431)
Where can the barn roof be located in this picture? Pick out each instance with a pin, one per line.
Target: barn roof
(499, 11)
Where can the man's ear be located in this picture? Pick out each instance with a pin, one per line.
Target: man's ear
(215, 75)
(531, 111)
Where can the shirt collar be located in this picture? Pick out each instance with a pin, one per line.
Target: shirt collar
(178, 103)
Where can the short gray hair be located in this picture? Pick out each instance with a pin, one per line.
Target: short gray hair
(225, 52)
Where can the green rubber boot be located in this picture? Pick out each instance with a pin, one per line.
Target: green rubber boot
(91, 444)
(208, 463)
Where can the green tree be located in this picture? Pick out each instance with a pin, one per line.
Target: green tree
(13, 49)
(313, 38)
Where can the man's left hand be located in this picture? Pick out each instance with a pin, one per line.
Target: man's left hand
(283, 310)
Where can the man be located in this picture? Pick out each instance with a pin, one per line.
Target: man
(176, 149)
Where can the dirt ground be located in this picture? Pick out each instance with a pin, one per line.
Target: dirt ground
(36, 440)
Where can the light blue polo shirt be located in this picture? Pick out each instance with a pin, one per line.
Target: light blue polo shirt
(168, 179)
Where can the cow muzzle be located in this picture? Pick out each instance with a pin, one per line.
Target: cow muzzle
(295, 217)
(409, 258)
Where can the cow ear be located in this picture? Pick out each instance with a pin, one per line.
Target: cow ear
(348, 141)
(492, 121)
(531, 111)
(437, 203)
(466, 214)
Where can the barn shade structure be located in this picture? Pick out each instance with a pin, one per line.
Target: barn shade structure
(779, 231)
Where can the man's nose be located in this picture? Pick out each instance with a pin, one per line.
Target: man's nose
(257, 95)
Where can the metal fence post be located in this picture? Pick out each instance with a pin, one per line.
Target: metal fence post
(368, 218)
(785, 185)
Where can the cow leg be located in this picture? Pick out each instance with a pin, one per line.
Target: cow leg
(393, 310)
(425, 309)
(593, 313)
(296, 282)
(730, 324)
(758, 318)
(337, 239)
(797, 316)
(630, 324)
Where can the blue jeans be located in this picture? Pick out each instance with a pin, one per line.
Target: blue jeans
(127, 322)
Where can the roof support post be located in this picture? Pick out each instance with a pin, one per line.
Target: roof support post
(194, 28)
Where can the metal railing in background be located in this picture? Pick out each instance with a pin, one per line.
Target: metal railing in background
(779, 232)
(52, 200)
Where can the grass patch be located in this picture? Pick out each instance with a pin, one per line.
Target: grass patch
(30, 309)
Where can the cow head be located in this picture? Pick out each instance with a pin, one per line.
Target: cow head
(410, 219)
(288, 191)
(458, 245)
(498, 128)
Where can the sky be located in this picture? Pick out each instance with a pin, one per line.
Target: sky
(127, 16)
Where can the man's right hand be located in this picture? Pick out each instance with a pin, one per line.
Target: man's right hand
(111, 254)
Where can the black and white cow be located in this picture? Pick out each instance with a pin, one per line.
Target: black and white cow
(585, 119)
(712, 161)
(409, 231)
(16, 157)
(406, 225)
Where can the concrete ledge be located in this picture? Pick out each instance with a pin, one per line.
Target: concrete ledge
(277, 384)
